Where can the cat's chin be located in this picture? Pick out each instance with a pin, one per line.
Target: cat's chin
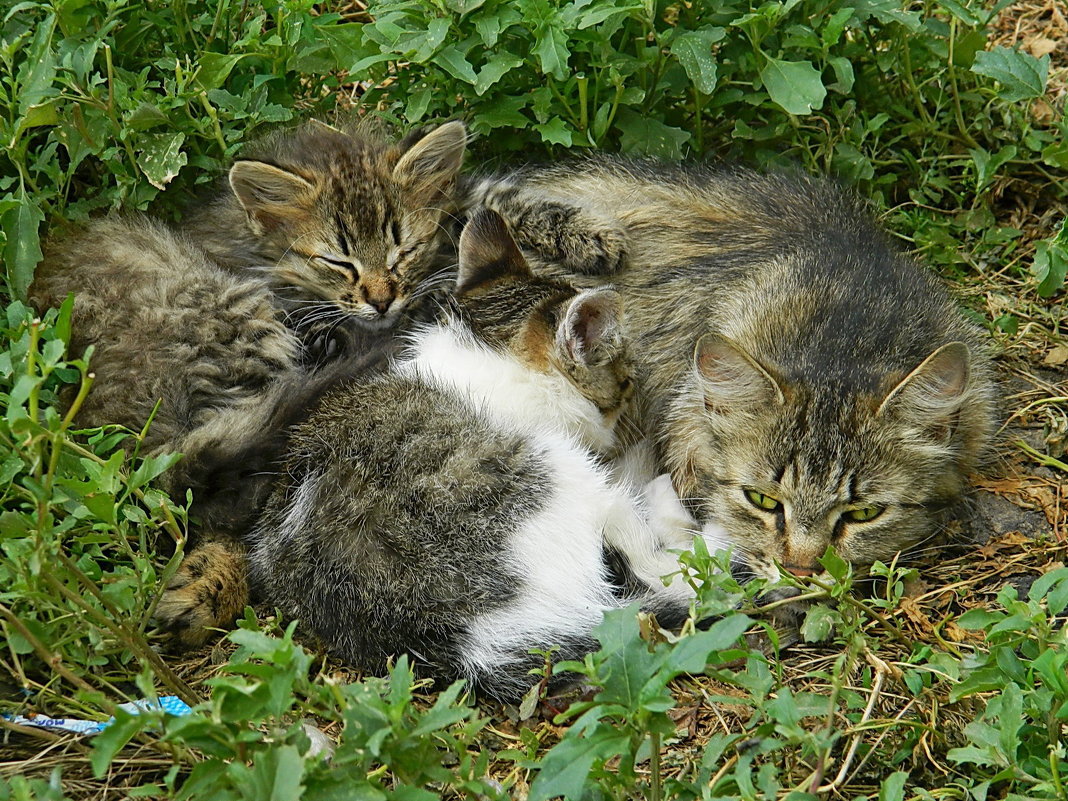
(377, 323)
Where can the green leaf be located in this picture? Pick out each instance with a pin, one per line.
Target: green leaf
(693, 49)
(551, 49)
(563, 771)
(555, 131)
(833, 28)
(650, 137)
(794, 85)
(987, 165)
(110, 741)
(276, 774)
(160, 157)
(504, 113)
(453, 62)
(819, 623)
(215, 68)
(22, 250)
(1050, 266)
(1022, 76)
(893, 787)
(495, 69)
(978, 619)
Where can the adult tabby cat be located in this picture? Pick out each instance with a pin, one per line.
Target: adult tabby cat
(453, 508)
(805, 383)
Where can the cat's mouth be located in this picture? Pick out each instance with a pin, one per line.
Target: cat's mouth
(372, 319)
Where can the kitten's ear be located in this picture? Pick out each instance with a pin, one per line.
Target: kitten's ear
(933, 393)
(270, 195)
(487, 252)
(591, 332)
(732, 380)
(431, 163)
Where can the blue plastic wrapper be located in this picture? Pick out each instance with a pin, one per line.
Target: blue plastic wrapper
(170, 704)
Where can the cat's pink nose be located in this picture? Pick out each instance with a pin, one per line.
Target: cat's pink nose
(801, 572)
(381, 306)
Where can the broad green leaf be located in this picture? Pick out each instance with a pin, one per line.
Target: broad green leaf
(819, 623)
(418, 101)
(453, 62)
(796, 86)
(888, 11)
(893, 787)
(650, 137)
(501, 114)
(160, 157)
(555, 131)
(38, 70)
(495, 69)
(693, 49)
(22, 250)
(435, 35)
(564, 770)
(110, 741)
(551, 49)
(215, 68)
(1050, 266)
(833, 28)
(1021, 75)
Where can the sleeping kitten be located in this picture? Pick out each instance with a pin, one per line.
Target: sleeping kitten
(321, 228)
(806, 384)
(168, 326)
(349, 231)
(454, 508)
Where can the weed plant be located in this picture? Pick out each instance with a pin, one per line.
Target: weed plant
(106, 103)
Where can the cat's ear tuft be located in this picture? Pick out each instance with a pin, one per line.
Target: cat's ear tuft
(591, 331)
(932, 394)
(270, 195)
(732, 380)
(487, 252)
(430, 164)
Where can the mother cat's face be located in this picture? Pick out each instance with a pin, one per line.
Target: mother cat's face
(789, 468)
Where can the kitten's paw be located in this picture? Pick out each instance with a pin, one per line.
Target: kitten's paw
(571, 238)
(323, 345)
(208, 591)
(667, 516)
(591, 246)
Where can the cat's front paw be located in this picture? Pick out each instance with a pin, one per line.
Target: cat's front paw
(601, 249)
(208, 591)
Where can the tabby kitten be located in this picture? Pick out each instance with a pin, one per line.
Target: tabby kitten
(349, 231)
(168, 326)
(806, 384)
(453, 509)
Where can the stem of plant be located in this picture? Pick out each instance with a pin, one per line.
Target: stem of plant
(655, 790)
(53, 660)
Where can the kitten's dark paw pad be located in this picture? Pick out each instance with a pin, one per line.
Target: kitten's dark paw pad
(208, 591)
(323, 346)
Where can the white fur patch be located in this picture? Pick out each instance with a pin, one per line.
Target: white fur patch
(506, 391)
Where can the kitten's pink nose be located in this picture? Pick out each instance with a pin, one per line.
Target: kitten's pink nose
(381, 306)
(801, 572)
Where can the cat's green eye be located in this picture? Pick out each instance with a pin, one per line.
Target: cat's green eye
(864, 513)
(762, 501)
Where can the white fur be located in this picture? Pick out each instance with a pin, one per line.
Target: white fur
(508, 392)
(559, 552)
